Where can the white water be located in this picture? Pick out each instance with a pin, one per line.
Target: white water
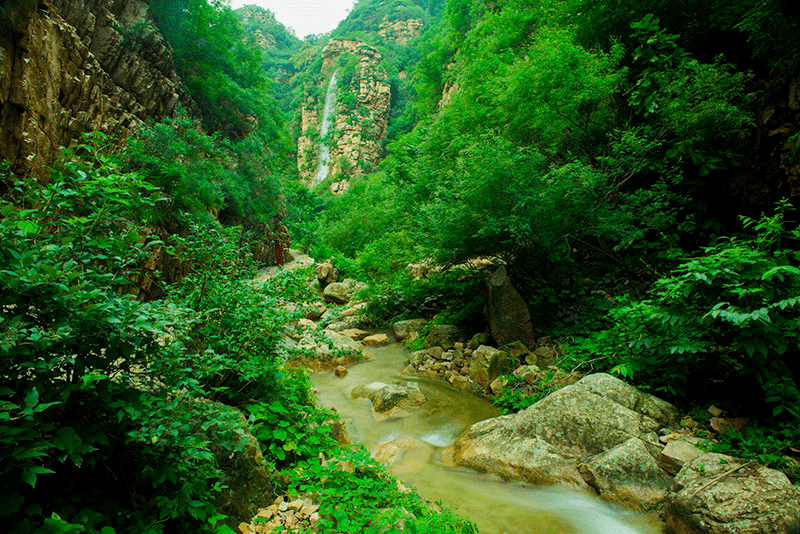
(495, 506)
(327, 124)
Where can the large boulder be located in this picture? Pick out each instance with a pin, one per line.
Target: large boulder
(385, 397)
(443, 335)
(508, 315)
(402, 330)
(599, 433)
(718, 494)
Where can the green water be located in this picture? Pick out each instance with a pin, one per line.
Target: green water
(495, 506)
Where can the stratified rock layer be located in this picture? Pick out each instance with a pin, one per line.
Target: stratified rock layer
(77, 66)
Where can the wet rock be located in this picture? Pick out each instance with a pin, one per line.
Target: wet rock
(385, 397)
(542, 356)
(718, 494)
(403, 329)
(341, 371)
(443, 335)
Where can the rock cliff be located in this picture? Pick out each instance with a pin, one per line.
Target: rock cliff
(400, 31)
(362, 113)
(75, 66)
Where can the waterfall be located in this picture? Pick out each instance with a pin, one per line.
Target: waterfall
(327, 126)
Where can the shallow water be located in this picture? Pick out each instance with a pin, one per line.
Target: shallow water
(495, 506)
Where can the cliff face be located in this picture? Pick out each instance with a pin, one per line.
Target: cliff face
(400, 31)
(73, 66)
(362, 113)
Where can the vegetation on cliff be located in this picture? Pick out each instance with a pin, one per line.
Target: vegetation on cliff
(603, 153)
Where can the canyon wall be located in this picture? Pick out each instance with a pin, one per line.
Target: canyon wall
(74, 66)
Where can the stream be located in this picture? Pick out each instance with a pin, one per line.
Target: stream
(496, 507)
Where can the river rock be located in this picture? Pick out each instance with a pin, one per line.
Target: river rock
(355, 333)
(627, 474)
(718, 494)
(508, 315)
(487, 363)
(405, 454)
(443, 335)
(586, 420)
(385, 397)
(375, 340)
(402, 330)
(493, 446)
(481, 338)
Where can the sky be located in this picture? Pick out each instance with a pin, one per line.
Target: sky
(304, 16)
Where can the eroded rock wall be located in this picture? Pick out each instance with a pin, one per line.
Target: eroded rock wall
(74, 66)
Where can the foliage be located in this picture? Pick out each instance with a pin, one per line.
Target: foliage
(205, 175)
(518, 395)
(357, 494)
(81, 411)
(769, 445)
(730, 313)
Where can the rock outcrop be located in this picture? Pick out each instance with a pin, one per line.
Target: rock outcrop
(385, 397)
(400, 31)
(598, 434)
(77, 66)
(507, 314)
(362, 115)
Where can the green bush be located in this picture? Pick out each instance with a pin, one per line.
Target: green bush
(732, 314)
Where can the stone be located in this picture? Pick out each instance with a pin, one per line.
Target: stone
(676, 453)
(518, 350)
(543, 357)
(385, 397)
(402, 330)
(375, 340)
(338, 293)
(627, 474)
(326, 274)
(435, 352)
(487, 363)
(506, 311)
(443, 335)
(479, 339)
(497, 385)
(340, 371)
(718, 494)
(585, 420)
(723, 424)
(458, 381)
(355, 333)
(314, 311)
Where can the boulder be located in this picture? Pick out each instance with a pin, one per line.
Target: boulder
(326, 274)
(402, 330)
(338, 293)
(718, 494)
(385, 397)
(487, 363)
(542, 356)
(627, 474)
(481, 338)
(506, 312)
(443, 335)
(609, 425)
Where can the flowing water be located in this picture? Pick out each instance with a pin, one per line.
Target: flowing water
(327, 123)
(495, 506)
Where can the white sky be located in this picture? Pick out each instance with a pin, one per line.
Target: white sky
(304, 16)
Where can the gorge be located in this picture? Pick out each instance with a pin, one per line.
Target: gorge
(556, 283)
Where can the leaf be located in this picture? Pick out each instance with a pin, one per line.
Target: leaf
(32, 398)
